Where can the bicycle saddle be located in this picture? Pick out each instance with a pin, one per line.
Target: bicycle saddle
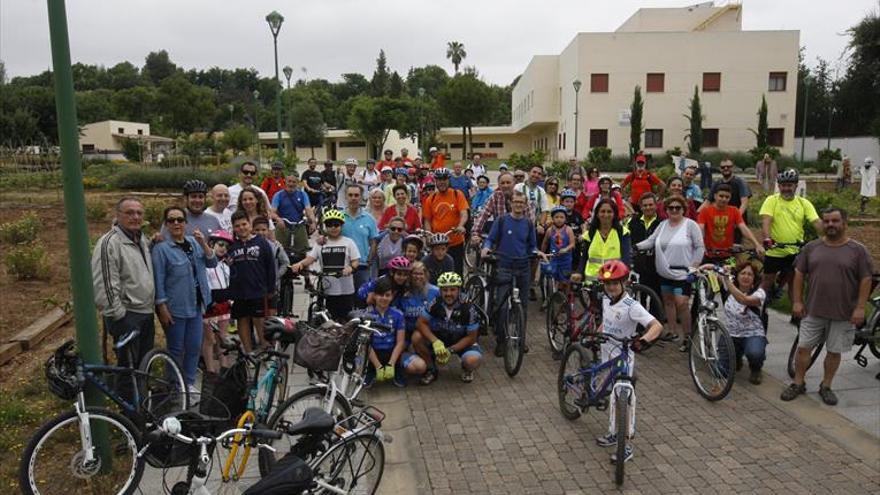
(315, 421)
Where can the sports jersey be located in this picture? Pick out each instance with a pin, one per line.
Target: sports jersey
(620, 320)
(335, 255)
(787, 226)
(385, 340)
(413, 304)
(720, 225)
(640, 182)
(443, 210)
(451, 324)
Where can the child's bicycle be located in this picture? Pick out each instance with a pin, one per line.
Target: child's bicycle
(585, 382)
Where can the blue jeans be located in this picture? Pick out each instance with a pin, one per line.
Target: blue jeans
(754, 348)
(184, 340)
(521, 280)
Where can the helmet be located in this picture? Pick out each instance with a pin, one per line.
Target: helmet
(605, 178)
(194, 186)
(787, 176)
(402, 171)
(61, 373)
(386, 168)
(281, 329)
(613, 270)
(558, 209)
(438, 239)
(449, 279)
(333, 214)
(277, 165)
(414, 239)
(441, 173)
(502, 166)
(398, 263)
(221, 235)
(351, 161)
(567, 193)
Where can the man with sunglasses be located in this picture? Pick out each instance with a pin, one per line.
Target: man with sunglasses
(247, 174)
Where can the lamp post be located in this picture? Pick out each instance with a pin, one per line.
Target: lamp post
(275, 20)
(421, 121)
(577, 88)
(288, 73)
(257, 127)
(804, 119)
(231, 108)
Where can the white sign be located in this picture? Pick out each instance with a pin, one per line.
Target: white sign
(623, 118)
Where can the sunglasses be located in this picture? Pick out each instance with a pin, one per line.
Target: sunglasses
(395, 229)
(175, 220)
(248, 172)
(674, 208)
(331, 225)
(726, 167)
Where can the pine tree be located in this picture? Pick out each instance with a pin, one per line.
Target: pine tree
(635, 122)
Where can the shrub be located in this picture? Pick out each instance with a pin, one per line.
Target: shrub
(169, 178)
(559, 168)
(153, 210)
(29, 181)
(96, 210)
(527, 161)
(28, 262)
(826, 155)
(599, 155)
(93, 183)
(665, 172)
(21, 231)
(618, 163)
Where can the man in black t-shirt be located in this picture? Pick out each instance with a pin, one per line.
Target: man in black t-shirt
(311, 182)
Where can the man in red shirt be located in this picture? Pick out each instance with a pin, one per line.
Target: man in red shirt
(438, 159)
(718, 221)
(387, 161)
(275, 182)
(641, 181)
(404, 157)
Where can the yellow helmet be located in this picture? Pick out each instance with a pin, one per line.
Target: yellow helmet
(449, 279)
(333, 214)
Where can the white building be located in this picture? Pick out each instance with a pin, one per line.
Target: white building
(105, 139)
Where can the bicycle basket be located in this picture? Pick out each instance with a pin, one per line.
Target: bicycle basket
(61, 372)
(168, 452)
(320, 349)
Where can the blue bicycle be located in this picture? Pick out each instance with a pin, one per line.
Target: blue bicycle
(584, 381)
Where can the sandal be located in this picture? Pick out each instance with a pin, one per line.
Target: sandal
(669, 337)
(429, 377)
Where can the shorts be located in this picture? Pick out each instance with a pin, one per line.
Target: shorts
(837, 335)
(473, 350)
(785, 265)
(249, 308)
(675, 287)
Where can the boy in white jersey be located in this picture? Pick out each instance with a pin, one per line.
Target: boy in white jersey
(621, 315)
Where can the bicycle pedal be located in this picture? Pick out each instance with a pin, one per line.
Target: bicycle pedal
(601, 405)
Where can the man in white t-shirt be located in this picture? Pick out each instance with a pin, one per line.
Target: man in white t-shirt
(477, 166)
(247, 174)
(219, 206)
(370, 177)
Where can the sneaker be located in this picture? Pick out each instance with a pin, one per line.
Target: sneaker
(467, 376)
(627, 454)
(429, 377)
(609, 440)
(684, 346)
(193, 391)
(755, 377)
(827, 395)
(369, 380)
(399, 380)
(792, 391)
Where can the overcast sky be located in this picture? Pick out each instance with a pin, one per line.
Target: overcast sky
(331, 37)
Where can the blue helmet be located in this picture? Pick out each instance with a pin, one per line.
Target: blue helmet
(401, 171)
(558, 209)
(442, 173)
(568, 193)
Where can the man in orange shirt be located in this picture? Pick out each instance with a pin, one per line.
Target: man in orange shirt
(641, 181)
(446, 210)
(438, 160)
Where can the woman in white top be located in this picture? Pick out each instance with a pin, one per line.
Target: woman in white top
(678, 245)
(742, 315)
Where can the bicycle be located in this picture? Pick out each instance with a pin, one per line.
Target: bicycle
(510, 305)
(480, 294)
(710, 347)
(583, 382)
(68, 443)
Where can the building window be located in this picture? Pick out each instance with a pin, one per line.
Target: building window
(496, 145)
(88, 147)
(352, 144)
(455, 146)
(653, 138)
(710, 138)
(120, 130)
(655, 82)
(563, 141)
(140, 132)
(598, 83)
(711, 81)
(777, 81)
(478, 145)
(776, 137)
(598, 137)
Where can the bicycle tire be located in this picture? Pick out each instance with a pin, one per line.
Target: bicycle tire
(475, 294)
(621, 418)
(721, 366)
(650, 300)
(345, 474)
(792, 353)
(873, 345)
(291, 411)
(30, 482)
(513, 342)
(558, 318)
(472, 257)
(161, 378)
(576, 358)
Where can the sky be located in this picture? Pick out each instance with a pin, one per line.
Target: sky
(331, 37)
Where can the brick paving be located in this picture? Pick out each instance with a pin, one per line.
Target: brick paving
(506, 435)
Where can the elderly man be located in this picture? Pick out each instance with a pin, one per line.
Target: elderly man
(247, 174)
(219, 206)
(438, 159)
(122, 274)
(477, 165)
(346, 178)
(459, 181)
(404, 157)
(766, 171)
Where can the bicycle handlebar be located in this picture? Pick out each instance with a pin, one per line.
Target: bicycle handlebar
(171, 428)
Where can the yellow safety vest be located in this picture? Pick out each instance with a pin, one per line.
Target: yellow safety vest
(601, 251)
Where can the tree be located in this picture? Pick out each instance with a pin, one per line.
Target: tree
(308, 125)
(158, 66)
(466, 101)
(762, 133)
(18, 126)
(2, 73)
(186, 107)
(137, 104)
(455, 53)
(371, 119)
(635, 122)
(123, 75)
(94, 106)
(381, 82)
(695, 119)
(431, 78)
(132, 150)
(238, 138)
(395, 86)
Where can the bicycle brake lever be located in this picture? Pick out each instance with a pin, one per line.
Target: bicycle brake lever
(267, 447)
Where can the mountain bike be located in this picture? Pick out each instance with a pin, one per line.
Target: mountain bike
(509, 313)
(584, 382)
(480, 293)
(95, 447)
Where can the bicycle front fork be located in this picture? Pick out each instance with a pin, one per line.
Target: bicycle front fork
(626, 389)
(85, 430)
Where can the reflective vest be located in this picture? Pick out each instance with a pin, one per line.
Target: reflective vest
(601, 251)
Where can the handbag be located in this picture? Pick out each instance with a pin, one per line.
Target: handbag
(320, 349)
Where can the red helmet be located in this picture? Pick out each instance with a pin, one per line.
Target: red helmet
(613, 270)
(221, 235)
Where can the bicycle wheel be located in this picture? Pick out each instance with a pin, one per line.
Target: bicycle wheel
(649, 300)
(54, 459)
(161, 385)
(472, 257)
(291, 412)
(475, 291)
(354, 465)
(792, 353)
(571, 384)
(621, 419)
(558, 316)
(513, 343)
(712, 361)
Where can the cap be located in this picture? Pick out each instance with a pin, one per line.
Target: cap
(351, 161)
(277, 166)
(386, 168)
(641, 159)
(432, 148)
(503, 166)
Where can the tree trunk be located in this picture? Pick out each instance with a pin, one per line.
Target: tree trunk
(463, 142)
(471, 139)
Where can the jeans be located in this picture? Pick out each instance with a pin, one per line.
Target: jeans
(139, 346)
(184, 340)
(753, 348)
(521, 280)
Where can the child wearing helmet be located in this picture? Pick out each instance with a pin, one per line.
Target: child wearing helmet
(438, 261)
(386, 360)
(396, 271)
(621, 316)
(560, 242)
(448, 326)
(218, 312)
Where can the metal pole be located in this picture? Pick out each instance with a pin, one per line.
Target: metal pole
(804, 120)
(278, 98)
(75, 206)
(576, 123)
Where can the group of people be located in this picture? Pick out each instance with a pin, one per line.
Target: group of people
(391, 237)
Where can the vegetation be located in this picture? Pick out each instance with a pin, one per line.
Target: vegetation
(22, 231)
(695, 119)
(599, 156)
(635, 122)
(28, 262)
(455, 53)
(96, 210)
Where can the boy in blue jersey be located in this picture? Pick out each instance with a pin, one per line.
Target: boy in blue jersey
(387, 359)
(448, 326)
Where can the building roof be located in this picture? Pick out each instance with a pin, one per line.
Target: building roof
(479, 131)
(144, 137)
(699, 17)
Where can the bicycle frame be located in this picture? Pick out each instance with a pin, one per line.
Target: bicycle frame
(91, 374)
(705, 312)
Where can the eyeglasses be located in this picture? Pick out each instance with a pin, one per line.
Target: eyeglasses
(674, 208)
(249, 172)
(133, 213)
(175, 220)
(395, 229)
(725, 167)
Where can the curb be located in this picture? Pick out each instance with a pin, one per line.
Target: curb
(405, 469)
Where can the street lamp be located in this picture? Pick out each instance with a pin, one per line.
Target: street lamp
(288, 72)
(275, 20)
(421, 92)
(231, 108)
(577, 88)
(257, 127)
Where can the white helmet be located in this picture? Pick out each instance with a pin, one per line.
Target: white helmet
(869, 160)
(351, 161)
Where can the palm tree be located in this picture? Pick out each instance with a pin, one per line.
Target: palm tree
(455, 52)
